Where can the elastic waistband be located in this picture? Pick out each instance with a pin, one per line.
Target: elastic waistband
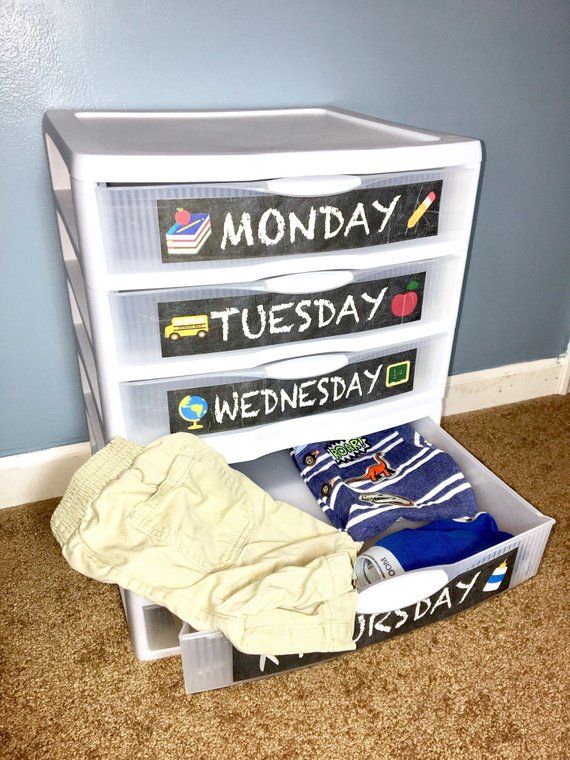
(88, 482)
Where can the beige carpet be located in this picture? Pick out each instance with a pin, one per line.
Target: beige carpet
(490, 683)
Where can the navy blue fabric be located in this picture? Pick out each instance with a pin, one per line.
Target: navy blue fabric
(443, 542)
(365, 484)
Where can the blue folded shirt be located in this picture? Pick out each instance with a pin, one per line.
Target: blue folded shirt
(441, 542)
(365, 484)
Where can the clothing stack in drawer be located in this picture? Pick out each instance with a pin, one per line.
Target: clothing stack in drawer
(253, 277)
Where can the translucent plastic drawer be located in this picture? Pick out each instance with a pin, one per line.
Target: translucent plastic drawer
(209, 660)
(238, 326)
(158, 227)
(239, 412)
(206, 659)
(153, 629)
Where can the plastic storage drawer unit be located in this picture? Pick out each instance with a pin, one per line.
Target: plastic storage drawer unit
(189, 239)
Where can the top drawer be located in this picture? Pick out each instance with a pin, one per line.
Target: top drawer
(293, 222)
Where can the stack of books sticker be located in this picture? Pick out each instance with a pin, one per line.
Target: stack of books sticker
(188, 238)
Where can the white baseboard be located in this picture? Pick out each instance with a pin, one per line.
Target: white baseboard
(505, 385)
(39, 475)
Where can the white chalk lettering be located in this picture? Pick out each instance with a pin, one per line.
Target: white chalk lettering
(322, 304)
(354, 385)
(267, 392)
(443, 598)
(402, 614)
(321, 385)
(358, 219)
(338, 382)
(329, 212)
(222, 407)
(380, 627)
(301, 312)
(225, 317)
(245, 323)
(274, 321)
(373, 377)
(348, 387)
(262, 229)
(245, 406)
(467, 586)
(387, 211)
(272, 225)
(361, 626)
(295, 224)
(291, 400)
(348, 310)
(304, 314)
(417, 613)
(303, 400)
(374, 301)
(234, 235)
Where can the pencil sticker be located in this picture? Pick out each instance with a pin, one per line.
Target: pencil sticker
(496, 577)
(421, 209)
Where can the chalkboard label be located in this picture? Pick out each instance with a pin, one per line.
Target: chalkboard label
(260, 319)
(464, 591)
(242, 404)
(207, 229)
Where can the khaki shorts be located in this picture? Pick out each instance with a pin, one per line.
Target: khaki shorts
(175, 524)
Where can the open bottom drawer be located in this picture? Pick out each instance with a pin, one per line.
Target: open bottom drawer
(209, 660)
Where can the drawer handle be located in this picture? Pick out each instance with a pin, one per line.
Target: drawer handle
(309, 282)
(305, 366)
(401, 591)
(307, 186)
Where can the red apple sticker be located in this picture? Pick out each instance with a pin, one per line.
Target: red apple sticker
(403, 304)
(182, 217)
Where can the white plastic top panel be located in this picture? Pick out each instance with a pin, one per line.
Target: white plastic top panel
(212, 146)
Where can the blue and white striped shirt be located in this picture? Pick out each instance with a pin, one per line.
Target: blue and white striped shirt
(365, 484)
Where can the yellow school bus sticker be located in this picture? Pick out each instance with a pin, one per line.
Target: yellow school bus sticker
(189, 326)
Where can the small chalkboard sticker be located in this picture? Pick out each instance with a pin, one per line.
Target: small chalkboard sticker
(461, 593)
(209, 229)
(232, 323)
(242, 404)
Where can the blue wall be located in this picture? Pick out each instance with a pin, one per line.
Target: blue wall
(494, 70)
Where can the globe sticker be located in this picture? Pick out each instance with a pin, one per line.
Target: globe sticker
(192, 409)
(397, 373)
